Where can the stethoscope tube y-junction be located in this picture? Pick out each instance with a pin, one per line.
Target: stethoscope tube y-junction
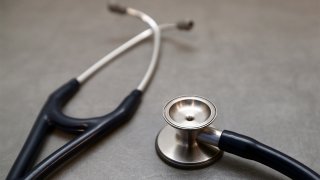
(51, 116)
(91, 129)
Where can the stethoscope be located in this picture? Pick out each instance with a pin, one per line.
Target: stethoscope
(89, 130)
(189, 141)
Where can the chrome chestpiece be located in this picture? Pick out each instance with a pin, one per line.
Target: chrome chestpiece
(176, 143)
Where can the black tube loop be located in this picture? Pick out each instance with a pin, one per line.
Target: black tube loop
(55, 105)
(89, 130)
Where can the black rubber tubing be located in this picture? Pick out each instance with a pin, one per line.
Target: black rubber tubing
(249, 148)
(51, 116)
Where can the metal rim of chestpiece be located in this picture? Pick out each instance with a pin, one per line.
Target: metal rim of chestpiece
(176, 143)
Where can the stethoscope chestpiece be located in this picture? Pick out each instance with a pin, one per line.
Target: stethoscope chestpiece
(176, 143)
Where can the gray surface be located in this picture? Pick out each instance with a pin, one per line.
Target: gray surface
(257, 60)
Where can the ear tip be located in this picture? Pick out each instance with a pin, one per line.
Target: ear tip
(185, 25)
(116, 8)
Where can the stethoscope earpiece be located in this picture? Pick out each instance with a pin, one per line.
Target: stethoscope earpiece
(176, 143)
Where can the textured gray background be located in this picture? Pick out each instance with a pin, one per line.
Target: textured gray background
(258, 61)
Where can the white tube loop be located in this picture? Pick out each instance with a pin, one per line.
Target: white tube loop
(154, 29)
